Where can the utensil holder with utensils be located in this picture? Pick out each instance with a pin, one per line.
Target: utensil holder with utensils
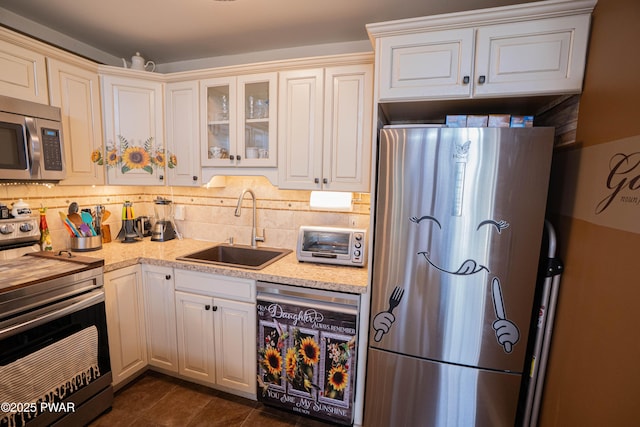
(84, 244)
(84, 228)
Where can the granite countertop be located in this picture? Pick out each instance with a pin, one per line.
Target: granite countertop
(287, 270)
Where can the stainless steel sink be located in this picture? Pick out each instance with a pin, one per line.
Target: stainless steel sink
(237, 256)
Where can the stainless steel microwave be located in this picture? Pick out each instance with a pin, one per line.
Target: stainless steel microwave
(332, 245)
(30, 141)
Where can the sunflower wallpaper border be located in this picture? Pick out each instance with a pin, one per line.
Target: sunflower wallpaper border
(128, 157)
(306, 359)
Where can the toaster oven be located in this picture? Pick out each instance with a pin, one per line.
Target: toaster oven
(332, 245)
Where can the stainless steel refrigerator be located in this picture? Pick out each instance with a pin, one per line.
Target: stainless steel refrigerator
(458, 226)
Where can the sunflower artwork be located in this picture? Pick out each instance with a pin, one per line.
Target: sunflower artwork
(301, 362)
(130, 157)
(337, 353)
(270, 355)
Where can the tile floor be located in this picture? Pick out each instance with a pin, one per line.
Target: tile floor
(155, 399)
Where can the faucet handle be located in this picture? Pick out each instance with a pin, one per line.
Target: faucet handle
(230, 240)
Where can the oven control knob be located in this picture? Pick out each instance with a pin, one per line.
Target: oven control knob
(358, 236)
(358, 245)
(7, 229)
(26, 227)
(356, 252)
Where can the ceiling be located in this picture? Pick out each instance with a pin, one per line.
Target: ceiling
(177, 30)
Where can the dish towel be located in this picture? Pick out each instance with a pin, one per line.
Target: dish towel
(50, 374)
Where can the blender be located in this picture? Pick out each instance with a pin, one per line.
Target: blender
(163, 229)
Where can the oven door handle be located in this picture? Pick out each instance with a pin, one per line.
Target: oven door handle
(323, 255)
(52, 312)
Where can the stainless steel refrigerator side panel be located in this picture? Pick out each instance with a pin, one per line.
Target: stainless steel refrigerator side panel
(459, 219)
(419, 392)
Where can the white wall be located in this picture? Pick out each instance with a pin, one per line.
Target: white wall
(38, 31)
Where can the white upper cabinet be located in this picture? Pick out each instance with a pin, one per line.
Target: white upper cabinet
(133, 127)
(544, 56)
(183, 134)
(529, 49)
(347, 128)
(239, 121)
(76, 91)
(300, 116)
(325, 128)
(433, 64)
(22, 73)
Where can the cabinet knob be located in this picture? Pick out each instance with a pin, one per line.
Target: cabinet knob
(214, 308)
(195, 178)
(325, 181)
(317, 180)
(481, 79)
(232, 157)
(161, 177)
(168, 277)
(465, 80)
(207, 307)
(238, 157)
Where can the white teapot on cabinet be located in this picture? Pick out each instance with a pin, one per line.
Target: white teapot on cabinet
(137, 63)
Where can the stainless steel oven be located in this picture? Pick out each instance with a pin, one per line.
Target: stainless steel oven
(54, 354)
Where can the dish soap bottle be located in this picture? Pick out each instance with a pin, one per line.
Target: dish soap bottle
(45, 236)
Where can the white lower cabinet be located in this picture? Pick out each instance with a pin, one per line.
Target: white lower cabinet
(125, 322)
(195, 336)
(216, 334)
(160, 317)
(195, 325)
(235, 344)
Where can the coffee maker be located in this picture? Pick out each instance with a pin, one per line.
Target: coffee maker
(163, 229)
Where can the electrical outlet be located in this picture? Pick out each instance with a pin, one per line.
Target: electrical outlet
(179, 213)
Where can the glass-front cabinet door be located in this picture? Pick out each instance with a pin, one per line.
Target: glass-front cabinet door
(218, 115)
(257, 105)
(240, 114)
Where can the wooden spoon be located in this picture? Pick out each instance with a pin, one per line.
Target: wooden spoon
(69, 224)
(73, 216)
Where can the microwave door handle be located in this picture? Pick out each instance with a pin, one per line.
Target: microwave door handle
(34, 146)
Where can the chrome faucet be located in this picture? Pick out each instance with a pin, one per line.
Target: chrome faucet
(254, 233)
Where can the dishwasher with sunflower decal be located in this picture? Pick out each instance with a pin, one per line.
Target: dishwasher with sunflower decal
(307, 350)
